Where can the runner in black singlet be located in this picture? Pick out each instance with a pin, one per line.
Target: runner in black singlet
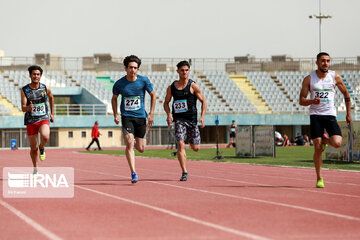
(185, 92)
(34, 98)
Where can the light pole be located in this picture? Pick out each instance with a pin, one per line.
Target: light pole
(320, 16)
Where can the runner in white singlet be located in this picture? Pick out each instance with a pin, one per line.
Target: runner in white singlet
(321, 85)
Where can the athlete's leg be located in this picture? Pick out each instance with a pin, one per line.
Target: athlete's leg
(34, 149)
(193, 134)
(333, 130)
(44, 131)
(140, 130)
(130, 154)
(334, 141)
(140, 144)
(195, 147)
(181, 155)
(317, 158)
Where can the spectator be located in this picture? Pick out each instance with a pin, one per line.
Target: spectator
(306, 140)
(232, 131)
(286, 141)
(278, 139)
(95, 136)
(299, 140)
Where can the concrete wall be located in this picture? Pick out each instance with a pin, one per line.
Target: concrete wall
(77, 140)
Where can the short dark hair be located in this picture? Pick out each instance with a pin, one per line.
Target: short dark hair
(182, 63)
(35, 67)
(132, 58)
(321, 54)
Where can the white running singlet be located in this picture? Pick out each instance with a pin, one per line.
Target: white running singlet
(325, 90)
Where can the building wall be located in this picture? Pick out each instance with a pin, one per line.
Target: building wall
(79, 140)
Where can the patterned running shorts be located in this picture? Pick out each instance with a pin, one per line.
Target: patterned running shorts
(186, 130)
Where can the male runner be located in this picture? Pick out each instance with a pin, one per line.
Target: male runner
(34, 97)
(321, 85)
(184, 113)
(132, 88)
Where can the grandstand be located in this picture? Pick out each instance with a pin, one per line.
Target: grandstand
(250, 97)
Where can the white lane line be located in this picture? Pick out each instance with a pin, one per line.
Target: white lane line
(252, 183)
(243, 198)
(265, 201)
(270, 173)
(31, 222)
(308, 176)
(178, 215)
(288, 188)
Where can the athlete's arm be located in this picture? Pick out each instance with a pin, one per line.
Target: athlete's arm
(340, 84)
(51, 101)
(167, 100)
(152, 109)
(202, 99)
(114, 107)
(25, 108)
(305, 89)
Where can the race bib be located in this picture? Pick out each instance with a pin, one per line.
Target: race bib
(180, 106)
(132, 103)
(38, 109)
(323, 94)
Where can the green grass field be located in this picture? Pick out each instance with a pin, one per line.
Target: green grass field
(288, 156)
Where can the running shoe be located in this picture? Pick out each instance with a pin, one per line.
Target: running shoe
(184, 176)
(320, 183)
(323, 146)
(134, 178)
(42, 154)
(35, 172)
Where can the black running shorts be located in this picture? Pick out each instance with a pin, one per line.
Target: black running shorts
(133, 125)
(320, 122)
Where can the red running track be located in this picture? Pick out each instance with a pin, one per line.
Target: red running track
(219, 201)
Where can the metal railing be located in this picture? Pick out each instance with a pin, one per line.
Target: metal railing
(79, 109)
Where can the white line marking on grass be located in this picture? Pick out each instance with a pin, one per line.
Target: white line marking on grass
(244, 198)
(31, 222)
(178, 215)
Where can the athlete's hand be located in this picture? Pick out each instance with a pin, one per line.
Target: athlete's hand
(31, 106)
(51, 117)
(202, 122)
(169, 120)
(348, 118)
(316, 101)
(150, 119)
(116, 119)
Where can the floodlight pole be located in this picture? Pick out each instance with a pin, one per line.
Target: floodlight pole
(320, 16)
